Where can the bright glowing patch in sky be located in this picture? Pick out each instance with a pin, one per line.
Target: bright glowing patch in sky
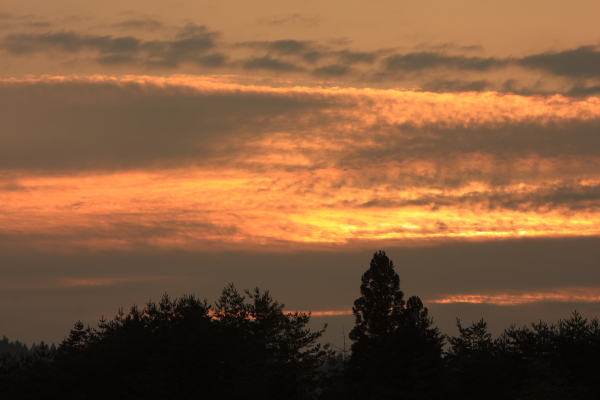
(304, 166)
(238, 208)
(584, 295)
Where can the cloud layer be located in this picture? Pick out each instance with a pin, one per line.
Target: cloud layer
(440, 68)
(184, 161)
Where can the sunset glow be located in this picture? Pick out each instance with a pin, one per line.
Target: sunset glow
(151, 147)
(296, 185)
(583, 295)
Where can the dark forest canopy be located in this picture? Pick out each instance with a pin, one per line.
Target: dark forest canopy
(246, 346)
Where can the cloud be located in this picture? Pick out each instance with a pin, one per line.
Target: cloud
(335, 69)
(455, 85)
(587, 295)
(118, 123)
(191, 44)
(411, 62)
(269, 63)
(183, 161)
(577, 63)
(292, 19)
(86, 282)
(448, 46)
(285, 47)
(544, 198)
(128, 123)
(146, 24)
(67, 41)
(440, 68)
(354, 57)
(11, 187)
(584, 91)
(40, 24)
(294, 55)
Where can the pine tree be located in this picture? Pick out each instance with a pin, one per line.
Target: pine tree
(396, 351)
(381, 303)
(271, 353)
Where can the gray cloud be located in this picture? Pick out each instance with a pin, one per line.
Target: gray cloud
(13, 187)
(67, 41)
(430, 69)
(354, 57)
(40, 24)
(140, 231)
(333, 70)
(424, 60)
(191, 44)
(583, 62)
(295, 18)
(146, 24)
(564, 196)
(286, 47)
(292, 55)
(518, 139)
(119, 126)
(86, 125)
(272, 64)
(448, 46)
(580, 91)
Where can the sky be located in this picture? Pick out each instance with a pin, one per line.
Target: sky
(151, 147)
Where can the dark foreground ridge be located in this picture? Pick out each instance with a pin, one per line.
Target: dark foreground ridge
(246, 346)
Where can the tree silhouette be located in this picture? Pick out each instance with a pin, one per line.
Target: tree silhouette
(556, 361)
(396, 351)
(246, 345)
(179, 348)
(475, 365)
(377, 310)
(15, 348)
(272, 354)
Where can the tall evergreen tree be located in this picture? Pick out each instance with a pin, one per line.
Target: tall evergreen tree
(396, 351)
(378, 308)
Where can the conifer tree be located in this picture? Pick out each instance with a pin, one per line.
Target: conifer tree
(378, 309)
(396, 351)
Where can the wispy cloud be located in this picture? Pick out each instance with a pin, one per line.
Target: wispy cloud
(192, 44)
(577, 63)
(291, 19)
(48, 282)
(85, 282)
(146, 24)
(441, 67)
(584, 295)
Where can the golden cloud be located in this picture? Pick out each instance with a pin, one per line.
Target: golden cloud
(584, 295)
(204, 163)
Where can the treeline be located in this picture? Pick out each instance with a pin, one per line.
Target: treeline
(246, 346)
(12, 351)
(15, 348)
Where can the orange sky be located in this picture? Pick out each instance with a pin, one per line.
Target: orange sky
(216, 130)
(307, 179)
